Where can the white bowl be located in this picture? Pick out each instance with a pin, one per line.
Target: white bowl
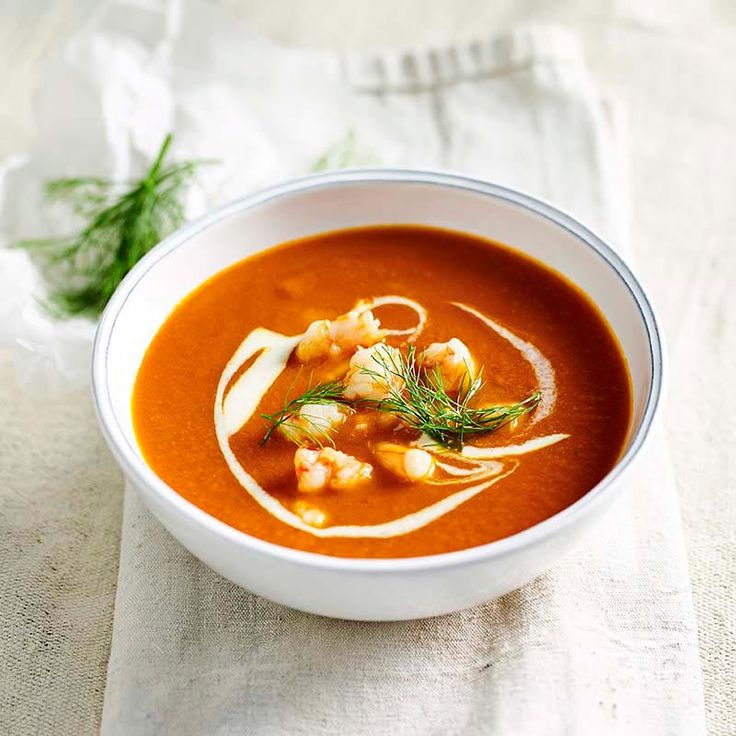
(368, 589)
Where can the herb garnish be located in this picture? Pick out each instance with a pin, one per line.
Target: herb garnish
(125, 221)
(313, 430)
(422, 403)
(344, 154)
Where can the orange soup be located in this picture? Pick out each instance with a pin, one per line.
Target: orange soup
(383, 392)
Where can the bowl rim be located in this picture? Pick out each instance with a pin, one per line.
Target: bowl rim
(135, 468)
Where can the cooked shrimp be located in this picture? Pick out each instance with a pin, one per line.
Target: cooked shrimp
(309, 514)
(372, 423)
(314, 422)
(410, 463)
(369, 375)
(454, 361)
(328, 338)
(328, 468)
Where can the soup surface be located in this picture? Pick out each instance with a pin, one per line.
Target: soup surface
(423, 391)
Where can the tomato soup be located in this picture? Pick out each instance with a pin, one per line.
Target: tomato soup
(386, 391)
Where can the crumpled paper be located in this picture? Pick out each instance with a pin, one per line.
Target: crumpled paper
(104, 105)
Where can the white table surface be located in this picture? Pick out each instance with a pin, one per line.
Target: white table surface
(673, 64)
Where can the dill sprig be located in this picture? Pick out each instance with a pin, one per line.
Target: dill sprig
(420, 402)
(424, 404)
(125, 220)
(338, 156)
(310, 430)
(344, 154)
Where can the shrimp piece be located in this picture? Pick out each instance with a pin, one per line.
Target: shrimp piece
(454, 361)
(359, 327)
(370, 376)
(313, 422)
(372, 423)
(327, 339)
(328, 468)
(317, 342)
(310, 514)
(409, 463)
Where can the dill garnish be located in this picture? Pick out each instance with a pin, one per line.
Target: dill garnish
(310, 429)
(343, 154)
(421, 403)
(424, 404)
(338, 156)
(125, 220)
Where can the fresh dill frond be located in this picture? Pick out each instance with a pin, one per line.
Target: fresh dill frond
(309, 430)
(343, 154)
(424, 404)
(125, 220)
(338, 156)
(419, 401)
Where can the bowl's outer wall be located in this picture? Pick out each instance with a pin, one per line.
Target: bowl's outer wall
(382, 595)
(358, 589)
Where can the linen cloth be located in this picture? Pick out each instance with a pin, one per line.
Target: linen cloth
(604, 642)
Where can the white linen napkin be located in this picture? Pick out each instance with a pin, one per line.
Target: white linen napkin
(605, 642)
